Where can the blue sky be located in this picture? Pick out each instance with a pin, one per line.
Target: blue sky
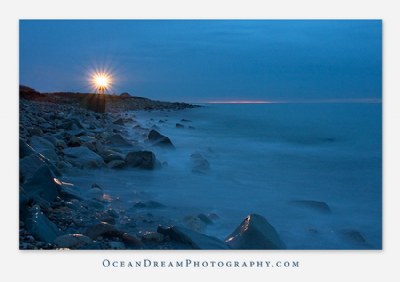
(207, 60)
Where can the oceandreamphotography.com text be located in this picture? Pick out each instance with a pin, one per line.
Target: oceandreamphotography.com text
(192, 263)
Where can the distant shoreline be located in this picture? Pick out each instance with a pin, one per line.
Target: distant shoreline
(114, 103)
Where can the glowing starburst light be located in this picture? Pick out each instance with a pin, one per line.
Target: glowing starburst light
(101, 81)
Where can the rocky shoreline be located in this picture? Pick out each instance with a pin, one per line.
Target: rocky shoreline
(59, 137)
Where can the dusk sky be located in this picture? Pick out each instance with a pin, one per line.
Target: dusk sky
(207, 60)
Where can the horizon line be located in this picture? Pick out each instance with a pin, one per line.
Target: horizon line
(318, 101)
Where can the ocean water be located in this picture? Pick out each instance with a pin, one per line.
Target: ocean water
(262, 158)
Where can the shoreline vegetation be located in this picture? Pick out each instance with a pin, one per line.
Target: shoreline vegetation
(59, 136)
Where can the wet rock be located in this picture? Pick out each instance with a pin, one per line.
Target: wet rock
(50, 155)
(90, 146)
(199, 163)
(82, 157)
(351, 235)
(141, 159)
(119, 121)
(321, 207)
(81, 220)
(108, 219)
(194, 223)
(205, 219)
(116, 164)
(118, 140)
(86, 138)
(213, 216)
(96, 193)
(149, 205)
(43, 187)
(99, 146)
(24, 149)
(41, 227)
(112, 213)
(94, 204)
(255, 232)
(63, 166)
(160, 140)
(72, 192)
(153, 237)
(95, 185)
(35, 131)
(131, 241)
(60, 144)
(74, 141)
(102, 229)
(44, 147)
(74, 204)
(107, 230)
(77, 132)
(72, 241)
(191, 239)
(30, 164)
(109, 155)
(40, 143)
(71, 124)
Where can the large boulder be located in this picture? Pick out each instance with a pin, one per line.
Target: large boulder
(141, 159)
(255, 232)
(42, 228)
(43, 187)
(189, 239)
(83, 157)
(30, 164)
(158, 139)
(31, 160)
